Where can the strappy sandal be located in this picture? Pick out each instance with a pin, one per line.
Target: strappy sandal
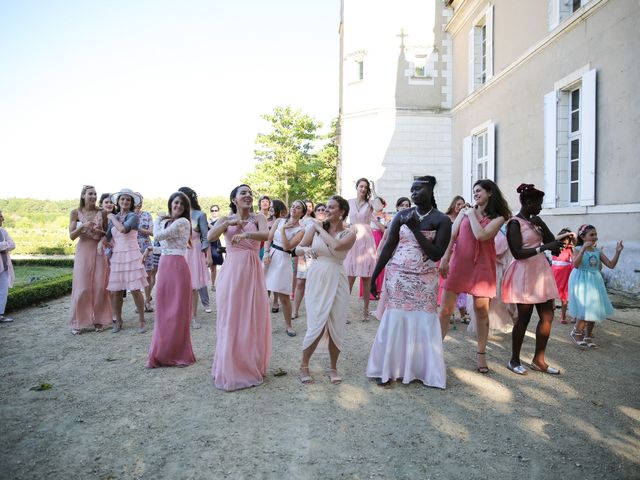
(117, 326)
(578, 341)
(148, 308)
(365, 316)
(304, 376)
(589, 341)
(483, 370)
(334, 377)
(291, 331)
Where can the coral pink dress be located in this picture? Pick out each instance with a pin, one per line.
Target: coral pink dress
(529, 281)
(90, 302)
(127, 270)
(243, 329)
(171, 341)
(472, 268)
(361, 260)
(199, 273)
(562, 266)
(408, 343)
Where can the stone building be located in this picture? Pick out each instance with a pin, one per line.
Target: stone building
(541, 92)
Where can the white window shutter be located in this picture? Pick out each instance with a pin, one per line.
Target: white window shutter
(554, 13)
(467, 162)
(472, 82)
(491, 151)
(489, 23)
(550, 153)
(588, 134)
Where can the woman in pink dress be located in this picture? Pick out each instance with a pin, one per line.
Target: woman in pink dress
(171, 341)
(127, 271)
(243, 328)
(529, 281)
(471, 268)
(408, 343)
(361, 259)
(90, 304)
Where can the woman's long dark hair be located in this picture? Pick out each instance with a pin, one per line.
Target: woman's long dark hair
(452, 205)
(430, 179)
(233, 194)
(497, 206)
(304, 208)
(279, 208)
(313, 209)
(185, 202)
(368, 196)
(192, 196)
(343, 204)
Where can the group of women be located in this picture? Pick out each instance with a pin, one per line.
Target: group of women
(420, 248)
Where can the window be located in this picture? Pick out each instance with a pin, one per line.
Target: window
(420, 66)
(354, 66)
(478, 157)
(560, 10)
(569, 141)
(360, 70)
(481, 50)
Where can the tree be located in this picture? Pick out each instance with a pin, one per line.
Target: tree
(287, 166)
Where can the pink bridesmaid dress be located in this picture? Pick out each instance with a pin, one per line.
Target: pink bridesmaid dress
(127, 270)
(171, 342)
(472, 268)
(90, 302)
(531, 280)
(243, 326)
(200, 276)
(361, 259)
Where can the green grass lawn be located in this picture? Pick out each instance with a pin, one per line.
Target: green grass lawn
(25, 274)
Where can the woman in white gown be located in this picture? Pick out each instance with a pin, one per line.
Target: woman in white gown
(327, 289)
(408, 343)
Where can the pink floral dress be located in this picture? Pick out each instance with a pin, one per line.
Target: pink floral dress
(408, 343)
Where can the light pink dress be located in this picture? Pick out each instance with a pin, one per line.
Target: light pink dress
(361, 260)
(531, 280)
(90, 302)
(199, 272)
(171, 342)
(127, 270)
(243, 326)
(408, 343)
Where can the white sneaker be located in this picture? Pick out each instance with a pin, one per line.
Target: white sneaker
(208, 310)
(4, 319)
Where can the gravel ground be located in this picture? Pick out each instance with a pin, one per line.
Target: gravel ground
(106, 416)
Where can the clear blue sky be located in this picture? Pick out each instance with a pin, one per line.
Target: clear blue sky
(153, 94)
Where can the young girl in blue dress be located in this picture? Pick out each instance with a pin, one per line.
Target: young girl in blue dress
(588, 299)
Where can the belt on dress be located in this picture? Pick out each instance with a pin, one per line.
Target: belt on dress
(278, 247)
(168, 251)
(560, 263)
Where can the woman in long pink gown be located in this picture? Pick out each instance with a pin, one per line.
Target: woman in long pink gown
(171, 342)
(90, 304)
(473, 263)
(361, 259)
(243, 325)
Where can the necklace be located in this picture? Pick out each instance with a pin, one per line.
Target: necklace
(422, 217)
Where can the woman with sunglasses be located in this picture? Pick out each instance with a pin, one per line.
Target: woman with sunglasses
(215, 246)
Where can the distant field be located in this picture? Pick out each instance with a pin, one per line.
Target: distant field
(41, 227)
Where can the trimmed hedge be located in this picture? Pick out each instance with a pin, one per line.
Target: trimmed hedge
(43, 262)
(24, 296)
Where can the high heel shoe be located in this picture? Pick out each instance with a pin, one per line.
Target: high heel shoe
(117, 326)
(484, 370)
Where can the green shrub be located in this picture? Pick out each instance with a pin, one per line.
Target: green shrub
(32, 294)
(42, 262)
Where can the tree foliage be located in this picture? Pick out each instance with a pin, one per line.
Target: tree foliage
(288, 165)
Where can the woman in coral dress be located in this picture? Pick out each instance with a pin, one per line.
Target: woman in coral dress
(284, 237)
(408, 343)
(472, 268)
(327, 299)
(361, 259)
(171, 341)
(243, 328)
(127, 271)
(528, 281)
(90, 303)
